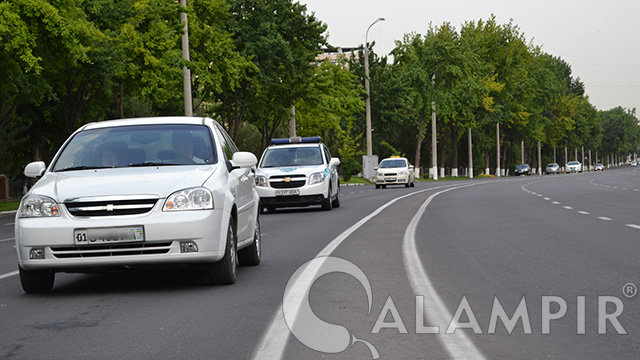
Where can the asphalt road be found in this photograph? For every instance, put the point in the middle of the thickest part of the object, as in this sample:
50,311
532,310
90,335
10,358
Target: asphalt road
525,268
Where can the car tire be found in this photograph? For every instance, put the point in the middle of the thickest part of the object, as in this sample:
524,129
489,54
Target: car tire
224,272
251,255
384,186
326,202
413,183
36,281
377,186
336,202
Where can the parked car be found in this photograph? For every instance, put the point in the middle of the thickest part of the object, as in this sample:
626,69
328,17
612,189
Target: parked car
573,167
634,163
130,193
552,168
599,167
395,171
298,172
522,169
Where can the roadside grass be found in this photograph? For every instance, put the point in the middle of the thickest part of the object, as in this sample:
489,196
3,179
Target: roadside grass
9,205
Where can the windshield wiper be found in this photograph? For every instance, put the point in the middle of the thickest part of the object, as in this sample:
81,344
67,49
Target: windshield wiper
149,163
82,167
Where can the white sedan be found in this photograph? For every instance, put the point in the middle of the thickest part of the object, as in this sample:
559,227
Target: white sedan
395,171
573,166
137,193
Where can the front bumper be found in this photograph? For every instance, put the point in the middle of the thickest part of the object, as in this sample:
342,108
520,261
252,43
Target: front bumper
163,233
392,179
308,195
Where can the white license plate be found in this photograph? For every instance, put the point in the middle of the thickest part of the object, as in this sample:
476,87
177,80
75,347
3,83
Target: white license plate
287,192
390,179
101,236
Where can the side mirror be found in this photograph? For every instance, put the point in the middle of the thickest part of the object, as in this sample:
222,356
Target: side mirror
334,162
243,159
35,169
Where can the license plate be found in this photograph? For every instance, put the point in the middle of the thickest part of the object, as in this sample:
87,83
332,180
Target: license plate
287,192
390,179
101,236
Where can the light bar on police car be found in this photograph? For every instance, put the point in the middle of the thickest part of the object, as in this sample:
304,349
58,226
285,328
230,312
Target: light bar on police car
296,140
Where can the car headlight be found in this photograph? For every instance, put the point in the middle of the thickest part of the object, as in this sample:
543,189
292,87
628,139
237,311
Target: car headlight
403,172
189,199
380,174
316,178
261,180
38,206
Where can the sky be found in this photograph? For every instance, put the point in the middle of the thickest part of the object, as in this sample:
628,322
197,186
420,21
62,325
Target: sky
600,40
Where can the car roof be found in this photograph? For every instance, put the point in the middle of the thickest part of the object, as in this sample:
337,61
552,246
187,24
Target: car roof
187,120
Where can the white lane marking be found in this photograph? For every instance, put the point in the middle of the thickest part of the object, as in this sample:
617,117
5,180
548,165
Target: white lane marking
547,199
583,212
604,218
274,340
634,226
4,276
555,202
568,207
457,345
7,239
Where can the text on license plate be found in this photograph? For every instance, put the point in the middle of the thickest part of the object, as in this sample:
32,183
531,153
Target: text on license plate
286,192
108,235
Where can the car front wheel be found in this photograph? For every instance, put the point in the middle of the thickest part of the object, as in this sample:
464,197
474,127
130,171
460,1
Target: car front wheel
36,281
224,272
252,254
326,202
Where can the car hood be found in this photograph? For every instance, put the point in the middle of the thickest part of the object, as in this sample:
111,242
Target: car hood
292,170
393,170
156,181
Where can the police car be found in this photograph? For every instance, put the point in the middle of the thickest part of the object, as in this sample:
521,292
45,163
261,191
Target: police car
395,171
298,172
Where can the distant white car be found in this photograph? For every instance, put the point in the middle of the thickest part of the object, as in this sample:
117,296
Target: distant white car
133,193
573,166
599,167
552,168
395,171
298,172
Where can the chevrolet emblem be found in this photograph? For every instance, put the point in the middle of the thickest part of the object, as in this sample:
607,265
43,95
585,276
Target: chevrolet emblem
110,207
287,179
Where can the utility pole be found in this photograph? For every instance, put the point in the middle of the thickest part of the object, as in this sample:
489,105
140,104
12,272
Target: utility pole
498,149
434,135
188,103
470,156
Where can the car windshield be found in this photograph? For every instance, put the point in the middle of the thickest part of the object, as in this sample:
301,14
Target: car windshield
396,163
292,156
573,163
139,145
552,165
522,166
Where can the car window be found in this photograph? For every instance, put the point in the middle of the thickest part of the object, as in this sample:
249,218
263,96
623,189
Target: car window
292,156
139,145
393,163
228,146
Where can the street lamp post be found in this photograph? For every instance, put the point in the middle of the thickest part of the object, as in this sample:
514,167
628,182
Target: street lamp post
368,169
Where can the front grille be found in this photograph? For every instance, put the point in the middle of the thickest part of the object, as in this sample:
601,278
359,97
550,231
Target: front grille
70,252
286,185
110,207
287,181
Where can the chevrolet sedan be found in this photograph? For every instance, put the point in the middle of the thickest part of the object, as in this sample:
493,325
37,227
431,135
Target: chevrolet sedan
151,192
